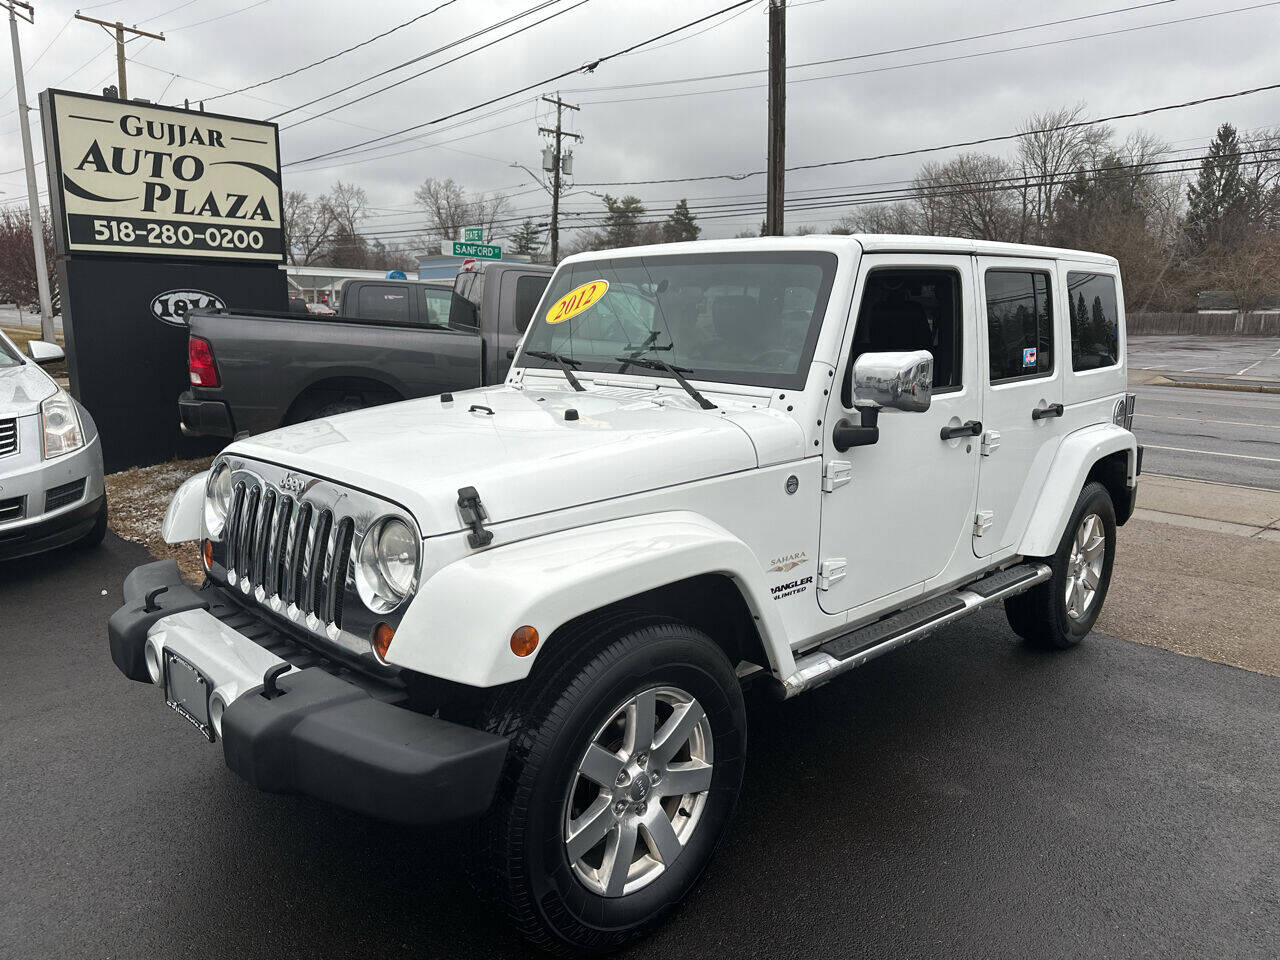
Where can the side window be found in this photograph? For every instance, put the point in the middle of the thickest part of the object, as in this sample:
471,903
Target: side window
1095,321
1019,324
528,293
379,301
435,306
464,315
911,309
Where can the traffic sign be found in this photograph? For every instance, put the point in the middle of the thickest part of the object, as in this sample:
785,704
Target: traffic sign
473,234
482,251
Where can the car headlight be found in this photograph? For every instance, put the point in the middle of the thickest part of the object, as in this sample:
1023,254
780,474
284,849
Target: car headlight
60,424
388,564
217,500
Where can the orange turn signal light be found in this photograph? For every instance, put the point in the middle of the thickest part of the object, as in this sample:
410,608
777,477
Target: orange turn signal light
207,552
382,637
524,641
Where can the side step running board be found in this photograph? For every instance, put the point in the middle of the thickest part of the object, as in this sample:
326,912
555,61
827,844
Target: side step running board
855,648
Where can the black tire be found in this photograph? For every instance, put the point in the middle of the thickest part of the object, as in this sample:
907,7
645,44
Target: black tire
519,854
98,532
1040,616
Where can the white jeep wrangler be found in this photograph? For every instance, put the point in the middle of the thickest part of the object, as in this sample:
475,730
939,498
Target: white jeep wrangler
535,605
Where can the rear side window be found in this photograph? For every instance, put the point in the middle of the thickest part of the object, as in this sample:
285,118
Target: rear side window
1095,321
1019,324
528,293
911,309
435,306
383,302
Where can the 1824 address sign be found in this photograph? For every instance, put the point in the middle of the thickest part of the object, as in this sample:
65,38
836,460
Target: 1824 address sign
158,181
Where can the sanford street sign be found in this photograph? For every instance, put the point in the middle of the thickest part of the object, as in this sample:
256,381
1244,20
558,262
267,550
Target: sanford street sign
482,251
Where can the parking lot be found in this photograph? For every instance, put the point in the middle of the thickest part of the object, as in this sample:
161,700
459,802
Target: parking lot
1240,356
961,798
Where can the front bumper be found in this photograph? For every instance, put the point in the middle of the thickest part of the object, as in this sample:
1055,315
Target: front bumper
51,532
204,418
320,734
45,519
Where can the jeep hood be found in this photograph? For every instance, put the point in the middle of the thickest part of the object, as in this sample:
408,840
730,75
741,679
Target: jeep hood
524,458
22,388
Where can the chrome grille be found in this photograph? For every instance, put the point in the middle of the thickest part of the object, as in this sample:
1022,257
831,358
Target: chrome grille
8,437
286,551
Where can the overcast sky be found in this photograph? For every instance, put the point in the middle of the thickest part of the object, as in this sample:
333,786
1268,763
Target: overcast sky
652,132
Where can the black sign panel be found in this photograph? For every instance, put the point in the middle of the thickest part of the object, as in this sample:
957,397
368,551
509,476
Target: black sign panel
124,321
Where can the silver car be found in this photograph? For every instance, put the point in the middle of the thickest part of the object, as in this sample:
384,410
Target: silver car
51,489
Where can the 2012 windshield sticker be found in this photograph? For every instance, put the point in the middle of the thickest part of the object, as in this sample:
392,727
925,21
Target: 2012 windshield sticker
577,300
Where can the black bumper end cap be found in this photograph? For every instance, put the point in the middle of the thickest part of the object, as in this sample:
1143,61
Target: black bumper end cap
128,626
325,738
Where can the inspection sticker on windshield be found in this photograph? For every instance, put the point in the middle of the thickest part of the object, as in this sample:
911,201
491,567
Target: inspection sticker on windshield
1029,357
577,300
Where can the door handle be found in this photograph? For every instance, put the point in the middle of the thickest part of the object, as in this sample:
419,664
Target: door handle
970,428
1052,410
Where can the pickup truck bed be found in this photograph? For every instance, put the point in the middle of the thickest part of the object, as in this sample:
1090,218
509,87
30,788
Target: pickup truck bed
393,340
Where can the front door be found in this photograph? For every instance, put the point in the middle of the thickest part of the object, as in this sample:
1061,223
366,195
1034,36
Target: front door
1022,408
897,511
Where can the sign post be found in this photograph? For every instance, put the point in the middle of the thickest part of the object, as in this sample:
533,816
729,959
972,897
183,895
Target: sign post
156,211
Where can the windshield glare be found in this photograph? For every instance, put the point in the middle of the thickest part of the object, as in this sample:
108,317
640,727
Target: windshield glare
9,356
748,318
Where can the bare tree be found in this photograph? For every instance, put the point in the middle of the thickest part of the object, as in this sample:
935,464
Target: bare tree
968,197
450,208
346,204
899,217
1047,154
308,227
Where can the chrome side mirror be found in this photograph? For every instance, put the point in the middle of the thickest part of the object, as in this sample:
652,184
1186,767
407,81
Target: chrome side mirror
899,381
42,351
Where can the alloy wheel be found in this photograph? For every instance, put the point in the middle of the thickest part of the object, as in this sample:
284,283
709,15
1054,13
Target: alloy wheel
1084,566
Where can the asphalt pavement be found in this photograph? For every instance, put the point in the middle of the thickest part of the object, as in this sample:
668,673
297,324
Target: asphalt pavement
1233,356
1221,435
963,797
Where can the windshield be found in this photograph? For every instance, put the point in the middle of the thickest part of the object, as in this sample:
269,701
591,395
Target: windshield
9,356
749,318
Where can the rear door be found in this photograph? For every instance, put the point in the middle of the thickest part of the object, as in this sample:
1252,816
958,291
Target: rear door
1022,378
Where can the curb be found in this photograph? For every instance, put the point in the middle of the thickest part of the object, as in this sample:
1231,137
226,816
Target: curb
1171,378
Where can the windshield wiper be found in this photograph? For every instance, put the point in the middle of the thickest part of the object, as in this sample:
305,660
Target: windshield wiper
564,363
653,363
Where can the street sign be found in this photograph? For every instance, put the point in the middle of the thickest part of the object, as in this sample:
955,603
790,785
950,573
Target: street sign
482,251
473,234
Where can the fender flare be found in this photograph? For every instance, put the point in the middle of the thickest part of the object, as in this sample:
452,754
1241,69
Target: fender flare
1076,456
182,518
459,625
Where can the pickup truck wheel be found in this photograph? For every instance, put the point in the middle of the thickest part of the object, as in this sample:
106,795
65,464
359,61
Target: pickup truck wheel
624,769
1060,612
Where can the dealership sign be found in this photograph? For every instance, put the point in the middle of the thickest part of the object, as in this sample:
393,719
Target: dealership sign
157,181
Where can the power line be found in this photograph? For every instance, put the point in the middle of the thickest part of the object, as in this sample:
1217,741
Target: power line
221,16
947,146
536,8
877,53
335,56
589,67
927,63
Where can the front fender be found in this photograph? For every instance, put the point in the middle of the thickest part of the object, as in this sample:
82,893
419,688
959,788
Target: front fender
182,519
459,625
1075,458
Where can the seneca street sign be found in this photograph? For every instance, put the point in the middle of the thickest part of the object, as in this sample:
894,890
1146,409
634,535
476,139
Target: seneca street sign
482,251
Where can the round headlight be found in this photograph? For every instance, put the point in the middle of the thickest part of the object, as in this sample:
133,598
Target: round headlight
388,564
217,500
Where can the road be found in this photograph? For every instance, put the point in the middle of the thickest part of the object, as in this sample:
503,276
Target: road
1234,356
1221,435
963,797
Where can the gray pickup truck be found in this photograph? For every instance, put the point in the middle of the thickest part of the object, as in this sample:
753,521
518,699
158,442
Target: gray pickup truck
391,340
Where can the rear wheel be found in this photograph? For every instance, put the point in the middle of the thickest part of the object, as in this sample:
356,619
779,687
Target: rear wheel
1060,612
624,769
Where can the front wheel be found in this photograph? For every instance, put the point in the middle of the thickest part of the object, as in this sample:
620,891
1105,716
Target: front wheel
1059,613
624,769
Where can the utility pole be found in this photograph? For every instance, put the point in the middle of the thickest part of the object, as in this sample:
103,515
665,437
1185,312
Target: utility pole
119,30
775,191
33,201
559,135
